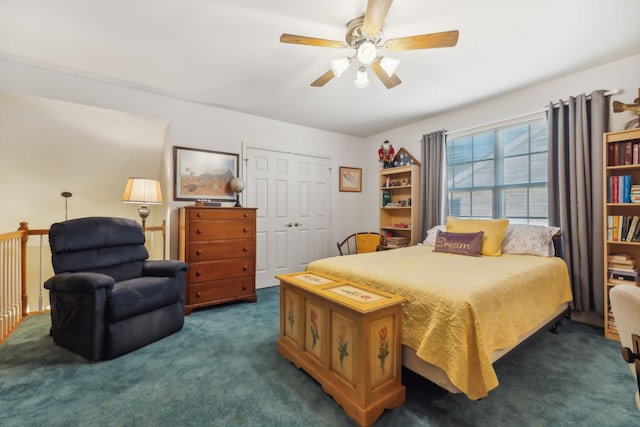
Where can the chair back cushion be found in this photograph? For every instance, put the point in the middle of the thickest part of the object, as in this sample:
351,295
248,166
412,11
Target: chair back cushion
111,246
367,242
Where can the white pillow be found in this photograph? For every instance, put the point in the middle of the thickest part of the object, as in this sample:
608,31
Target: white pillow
432,233
528,239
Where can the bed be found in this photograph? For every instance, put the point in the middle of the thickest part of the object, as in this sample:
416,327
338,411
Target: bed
463,312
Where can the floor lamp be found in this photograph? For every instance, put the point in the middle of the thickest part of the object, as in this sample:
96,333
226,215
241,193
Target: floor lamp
144,192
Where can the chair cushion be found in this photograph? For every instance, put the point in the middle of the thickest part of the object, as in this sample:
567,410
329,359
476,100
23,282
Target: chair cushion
367,242
94,232
140,295
111,246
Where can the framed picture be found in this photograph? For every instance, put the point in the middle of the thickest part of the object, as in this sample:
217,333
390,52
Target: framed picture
202,174
350,179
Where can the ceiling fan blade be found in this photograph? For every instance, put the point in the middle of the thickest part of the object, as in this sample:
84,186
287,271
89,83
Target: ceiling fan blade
310,41
323,79
424,41
374,16
389,82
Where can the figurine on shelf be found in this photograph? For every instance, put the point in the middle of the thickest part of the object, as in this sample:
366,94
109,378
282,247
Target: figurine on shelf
386,154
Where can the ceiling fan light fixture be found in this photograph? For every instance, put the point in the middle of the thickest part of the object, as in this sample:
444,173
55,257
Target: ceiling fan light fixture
338,66
389,65
366,52
362,80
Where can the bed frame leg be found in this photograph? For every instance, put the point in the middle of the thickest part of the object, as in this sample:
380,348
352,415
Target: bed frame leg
558,321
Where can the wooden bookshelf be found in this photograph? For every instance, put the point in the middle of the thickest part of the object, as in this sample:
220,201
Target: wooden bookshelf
619,161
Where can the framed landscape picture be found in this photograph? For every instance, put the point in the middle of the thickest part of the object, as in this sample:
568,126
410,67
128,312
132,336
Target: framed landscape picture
202,174
350,179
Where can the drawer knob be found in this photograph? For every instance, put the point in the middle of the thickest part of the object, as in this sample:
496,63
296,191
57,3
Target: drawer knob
198,273
245,229
244,287
198,294
246,249
199,231
244,268
199,214
199,252
245,215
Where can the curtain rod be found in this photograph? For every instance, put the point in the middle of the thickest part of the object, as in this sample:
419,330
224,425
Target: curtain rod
607,93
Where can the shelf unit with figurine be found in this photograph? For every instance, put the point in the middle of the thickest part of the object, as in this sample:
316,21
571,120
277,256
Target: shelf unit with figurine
621,216
399,205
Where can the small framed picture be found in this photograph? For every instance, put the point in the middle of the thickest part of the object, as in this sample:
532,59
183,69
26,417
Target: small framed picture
350,179
202,174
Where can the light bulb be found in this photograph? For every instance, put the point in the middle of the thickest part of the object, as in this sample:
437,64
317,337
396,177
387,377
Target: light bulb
362,80
366,52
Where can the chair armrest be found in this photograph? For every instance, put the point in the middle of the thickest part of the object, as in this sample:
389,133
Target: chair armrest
164,268
80,282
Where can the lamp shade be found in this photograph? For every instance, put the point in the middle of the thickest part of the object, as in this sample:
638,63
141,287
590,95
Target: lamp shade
144,191
339,65
362,80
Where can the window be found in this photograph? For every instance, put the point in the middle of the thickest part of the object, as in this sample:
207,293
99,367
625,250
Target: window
501,173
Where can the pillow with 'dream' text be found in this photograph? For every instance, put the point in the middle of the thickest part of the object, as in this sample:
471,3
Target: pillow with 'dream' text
459,243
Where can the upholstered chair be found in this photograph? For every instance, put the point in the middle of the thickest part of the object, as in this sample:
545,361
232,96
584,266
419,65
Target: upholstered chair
625,305
106,298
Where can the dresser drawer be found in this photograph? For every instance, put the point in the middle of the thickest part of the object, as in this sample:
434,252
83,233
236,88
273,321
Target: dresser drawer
219,213
217,249
211,230
221,290
219,269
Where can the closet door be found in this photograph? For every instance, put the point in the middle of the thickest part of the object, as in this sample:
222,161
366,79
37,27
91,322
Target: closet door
292,194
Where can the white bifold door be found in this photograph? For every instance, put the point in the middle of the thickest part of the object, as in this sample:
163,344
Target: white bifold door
293,195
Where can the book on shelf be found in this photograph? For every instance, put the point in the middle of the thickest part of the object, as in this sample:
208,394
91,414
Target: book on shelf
386,198
621,265
621,189
621,282
621,259
615,274
624,228
632,228
623,153
397,242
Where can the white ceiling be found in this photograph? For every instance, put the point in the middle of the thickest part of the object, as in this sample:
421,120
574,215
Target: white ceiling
227,52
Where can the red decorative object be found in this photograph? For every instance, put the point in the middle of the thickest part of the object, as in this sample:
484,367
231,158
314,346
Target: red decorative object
386,154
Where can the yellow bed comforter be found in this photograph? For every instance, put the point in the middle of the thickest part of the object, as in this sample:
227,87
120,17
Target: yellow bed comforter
460,308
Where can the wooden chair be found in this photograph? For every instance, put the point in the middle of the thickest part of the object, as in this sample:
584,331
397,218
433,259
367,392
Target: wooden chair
359,243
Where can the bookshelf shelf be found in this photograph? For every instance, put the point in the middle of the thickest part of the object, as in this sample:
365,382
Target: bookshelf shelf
621,256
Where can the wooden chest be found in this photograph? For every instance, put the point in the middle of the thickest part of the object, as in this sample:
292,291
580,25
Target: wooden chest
219,244
347,337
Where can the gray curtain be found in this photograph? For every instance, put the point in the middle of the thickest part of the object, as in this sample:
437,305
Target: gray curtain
575,192
433,201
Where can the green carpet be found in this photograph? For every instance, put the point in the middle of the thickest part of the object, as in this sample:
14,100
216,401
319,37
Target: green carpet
222,369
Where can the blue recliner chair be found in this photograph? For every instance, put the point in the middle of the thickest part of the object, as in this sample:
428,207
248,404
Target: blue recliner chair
106,298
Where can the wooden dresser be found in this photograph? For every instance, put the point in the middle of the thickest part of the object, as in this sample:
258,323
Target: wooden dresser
219,244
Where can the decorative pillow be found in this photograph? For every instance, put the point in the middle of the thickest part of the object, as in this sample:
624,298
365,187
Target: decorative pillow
494,231
459,243
528,239
431,235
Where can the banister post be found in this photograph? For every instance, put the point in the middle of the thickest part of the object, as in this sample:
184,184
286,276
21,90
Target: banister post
24,228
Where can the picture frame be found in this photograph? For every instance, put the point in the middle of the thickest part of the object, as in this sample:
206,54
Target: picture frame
350,179
203,174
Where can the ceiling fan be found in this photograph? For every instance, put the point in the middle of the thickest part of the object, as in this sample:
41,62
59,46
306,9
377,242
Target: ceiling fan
364,34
